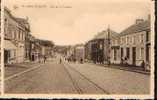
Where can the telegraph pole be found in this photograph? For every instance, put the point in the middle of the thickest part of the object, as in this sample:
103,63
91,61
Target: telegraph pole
109,44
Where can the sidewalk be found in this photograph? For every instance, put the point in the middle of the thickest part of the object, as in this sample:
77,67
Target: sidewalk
24,64
11,69
127,68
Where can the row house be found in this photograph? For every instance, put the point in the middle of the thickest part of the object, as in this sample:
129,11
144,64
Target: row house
35,50
46,47
70,52
75,52
88,51
15,30
19,44
98,49
79,52
41,48
115,49
29,42
133,44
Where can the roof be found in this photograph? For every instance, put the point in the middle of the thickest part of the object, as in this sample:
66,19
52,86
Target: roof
21,21
45,42
104,34
145,25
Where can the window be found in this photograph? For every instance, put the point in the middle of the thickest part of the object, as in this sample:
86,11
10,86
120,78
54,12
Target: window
115,54
121,41
19,35
142,53
121,52
127,40
134,40
147,36
142,38
130,40
14,53
128,52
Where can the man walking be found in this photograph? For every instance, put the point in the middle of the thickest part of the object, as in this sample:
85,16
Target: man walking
45,59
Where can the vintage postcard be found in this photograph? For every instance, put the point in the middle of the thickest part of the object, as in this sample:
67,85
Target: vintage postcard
59,48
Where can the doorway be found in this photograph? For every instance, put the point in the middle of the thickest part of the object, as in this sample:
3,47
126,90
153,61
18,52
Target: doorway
6,56
134,55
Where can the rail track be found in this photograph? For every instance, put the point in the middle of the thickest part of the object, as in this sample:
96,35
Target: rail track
75,84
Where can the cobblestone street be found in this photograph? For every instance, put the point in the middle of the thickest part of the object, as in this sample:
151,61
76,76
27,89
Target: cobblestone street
53,77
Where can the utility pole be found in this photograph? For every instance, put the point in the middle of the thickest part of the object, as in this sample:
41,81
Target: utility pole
109,44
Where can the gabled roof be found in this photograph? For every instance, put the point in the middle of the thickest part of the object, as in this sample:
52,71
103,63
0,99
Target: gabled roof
45,42
21,20
137,28
104,34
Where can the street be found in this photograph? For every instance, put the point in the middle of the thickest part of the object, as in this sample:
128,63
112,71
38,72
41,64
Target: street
74,78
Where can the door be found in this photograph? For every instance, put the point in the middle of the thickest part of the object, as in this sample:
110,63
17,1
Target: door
6,56
121,52
134,55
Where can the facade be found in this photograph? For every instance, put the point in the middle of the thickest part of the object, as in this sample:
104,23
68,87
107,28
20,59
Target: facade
88,51
135,43
46,47
35,50
15,30
98,49
79,52
70,52
115,50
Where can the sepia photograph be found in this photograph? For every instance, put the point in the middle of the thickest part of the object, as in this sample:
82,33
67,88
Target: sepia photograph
67,47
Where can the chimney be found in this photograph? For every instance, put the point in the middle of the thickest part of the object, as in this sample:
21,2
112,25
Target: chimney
139,21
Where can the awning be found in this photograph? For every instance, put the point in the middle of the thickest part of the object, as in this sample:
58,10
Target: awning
8,45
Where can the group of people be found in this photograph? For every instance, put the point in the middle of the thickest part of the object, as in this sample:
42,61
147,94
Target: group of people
144,65
124,61
42,58
74,60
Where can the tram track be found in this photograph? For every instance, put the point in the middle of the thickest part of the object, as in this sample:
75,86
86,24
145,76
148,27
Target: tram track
78,89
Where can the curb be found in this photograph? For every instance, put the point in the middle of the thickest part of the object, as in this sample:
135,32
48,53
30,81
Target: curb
121,68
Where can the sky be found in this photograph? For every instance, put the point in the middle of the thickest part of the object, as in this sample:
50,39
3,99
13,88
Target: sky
69,22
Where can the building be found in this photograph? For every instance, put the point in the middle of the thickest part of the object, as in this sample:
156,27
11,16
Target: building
15,30
70,53
79,52
88,51
98,49
46,47
29,42
115,50
135,43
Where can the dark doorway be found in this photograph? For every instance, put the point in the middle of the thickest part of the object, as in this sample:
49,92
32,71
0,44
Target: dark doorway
148,53
134,55
33,57
6,56
121,52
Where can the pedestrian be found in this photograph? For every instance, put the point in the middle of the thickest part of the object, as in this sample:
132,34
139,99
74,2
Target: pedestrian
81,60
122,61
60,61
147,66
45,59
143,64
126,61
